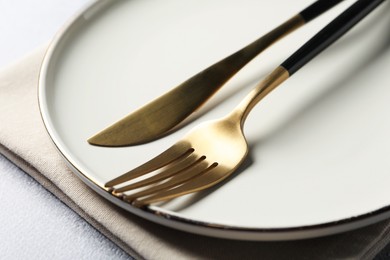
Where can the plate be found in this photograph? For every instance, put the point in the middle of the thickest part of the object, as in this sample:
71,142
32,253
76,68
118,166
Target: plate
319,144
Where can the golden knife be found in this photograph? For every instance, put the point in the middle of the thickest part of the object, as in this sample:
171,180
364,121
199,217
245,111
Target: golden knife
159,116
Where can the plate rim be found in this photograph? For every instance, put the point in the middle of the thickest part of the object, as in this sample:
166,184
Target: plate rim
178,222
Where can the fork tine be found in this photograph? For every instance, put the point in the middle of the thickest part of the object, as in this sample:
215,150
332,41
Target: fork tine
207,178
175,152
199,168
167,172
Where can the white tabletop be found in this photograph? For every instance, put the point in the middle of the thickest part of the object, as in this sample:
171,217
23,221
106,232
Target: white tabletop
33,223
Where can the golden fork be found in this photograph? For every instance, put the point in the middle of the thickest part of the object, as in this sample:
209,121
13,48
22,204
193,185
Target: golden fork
159,116
213,150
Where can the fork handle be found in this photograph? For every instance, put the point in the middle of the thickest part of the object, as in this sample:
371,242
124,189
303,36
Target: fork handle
329,34
333,31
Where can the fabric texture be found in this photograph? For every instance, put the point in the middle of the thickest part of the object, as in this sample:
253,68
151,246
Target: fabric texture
24,141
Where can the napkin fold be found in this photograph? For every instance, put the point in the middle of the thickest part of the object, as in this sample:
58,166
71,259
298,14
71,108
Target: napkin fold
25,142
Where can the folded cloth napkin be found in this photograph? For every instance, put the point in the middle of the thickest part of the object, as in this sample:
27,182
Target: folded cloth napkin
24,141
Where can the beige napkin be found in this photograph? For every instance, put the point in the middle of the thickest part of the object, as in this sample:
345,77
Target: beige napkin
24,141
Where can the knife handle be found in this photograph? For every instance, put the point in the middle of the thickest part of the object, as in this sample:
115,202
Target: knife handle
317,8
332,32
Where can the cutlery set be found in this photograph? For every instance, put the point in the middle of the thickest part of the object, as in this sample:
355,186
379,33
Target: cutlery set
212,151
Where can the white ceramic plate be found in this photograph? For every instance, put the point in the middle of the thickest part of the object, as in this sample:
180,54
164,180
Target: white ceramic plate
319,144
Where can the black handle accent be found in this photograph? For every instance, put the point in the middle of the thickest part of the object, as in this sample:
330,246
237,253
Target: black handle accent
318,8
328,35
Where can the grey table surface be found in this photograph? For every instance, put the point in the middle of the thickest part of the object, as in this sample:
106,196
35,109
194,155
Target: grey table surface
42,227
